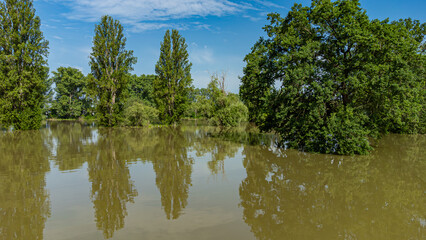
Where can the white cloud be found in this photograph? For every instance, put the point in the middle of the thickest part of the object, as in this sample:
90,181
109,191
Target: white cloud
142,15
142,10
202,55
270,4
143,26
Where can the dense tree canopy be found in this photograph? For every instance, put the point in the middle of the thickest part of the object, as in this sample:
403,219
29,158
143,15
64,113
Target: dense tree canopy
142,88
70,93
110,63
173,83
327,77
200,105
23,65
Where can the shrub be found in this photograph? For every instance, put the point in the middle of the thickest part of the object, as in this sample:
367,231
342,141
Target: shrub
139,114
232,113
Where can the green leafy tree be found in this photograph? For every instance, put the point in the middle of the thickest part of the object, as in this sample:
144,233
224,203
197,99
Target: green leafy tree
110,63
257,86
226,108
48,98
142,88
200,107
23,65
173,83
90,100
327,77
70,95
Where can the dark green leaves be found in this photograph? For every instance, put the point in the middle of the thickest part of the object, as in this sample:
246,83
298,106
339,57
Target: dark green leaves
110,64
23,65
327,77
173,83
70,93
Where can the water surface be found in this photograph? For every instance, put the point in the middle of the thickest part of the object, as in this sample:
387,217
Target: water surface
75,181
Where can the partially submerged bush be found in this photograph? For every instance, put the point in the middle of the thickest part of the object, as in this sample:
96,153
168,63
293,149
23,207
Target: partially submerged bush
227,109
139,114
230,112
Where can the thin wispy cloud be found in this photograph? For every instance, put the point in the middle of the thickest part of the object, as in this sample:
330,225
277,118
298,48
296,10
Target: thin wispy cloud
271,4
141,10
144,26
201,55
142,15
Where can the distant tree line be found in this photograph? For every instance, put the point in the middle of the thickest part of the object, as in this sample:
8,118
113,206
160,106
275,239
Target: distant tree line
109,93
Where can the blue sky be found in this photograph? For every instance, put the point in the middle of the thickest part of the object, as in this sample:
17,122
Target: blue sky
218,33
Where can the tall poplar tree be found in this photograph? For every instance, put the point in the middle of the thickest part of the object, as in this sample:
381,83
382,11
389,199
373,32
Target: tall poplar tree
110,63
173,83
23,65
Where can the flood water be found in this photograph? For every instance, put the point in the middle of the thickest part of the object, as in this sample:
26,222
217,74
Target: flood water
75,181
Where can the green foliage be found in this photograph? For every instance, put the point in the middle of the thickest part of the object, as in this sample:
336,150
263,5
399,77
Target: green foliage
23,65
70,93
200,106
257,86
216,105
48,97
327,77
227,109
172,85
139,114
142,88
110,64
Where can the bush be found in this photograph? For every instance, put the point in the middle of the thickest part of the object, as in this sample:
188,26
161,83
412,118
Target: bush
139,114
232,113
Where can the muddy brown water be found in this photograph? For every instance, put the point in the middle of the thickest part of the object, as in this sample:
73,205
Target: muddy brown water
76,181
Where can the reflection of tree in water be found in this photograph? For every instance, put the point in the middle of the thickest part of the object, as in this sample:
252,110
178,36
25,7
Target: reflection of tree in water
72,139
166,148
308,196
211,142
173,170
112,187
25,204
